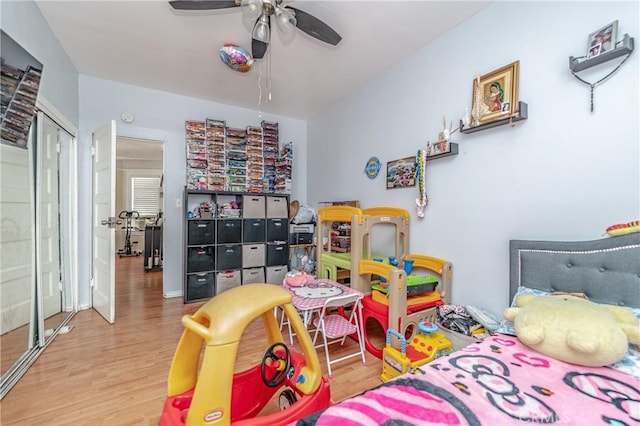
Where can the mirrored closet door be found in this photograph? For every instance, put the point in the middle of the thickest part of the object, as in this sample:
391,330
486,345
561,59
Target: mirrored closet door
36,235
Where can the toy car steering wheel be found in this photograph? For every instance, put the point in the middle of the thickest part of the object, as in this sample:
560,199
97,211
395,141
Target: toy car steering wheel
281,369
427,327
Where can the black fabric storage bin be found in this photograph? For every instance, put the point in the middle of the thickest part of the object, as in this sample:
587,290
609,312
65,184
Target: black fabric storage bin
253,231
200,259
229,256
277,229
277,254
201,232
229,231
200,286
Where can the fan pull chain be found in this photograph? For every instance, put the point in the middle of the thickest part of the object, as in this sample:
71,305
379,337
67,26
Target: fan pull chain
259,90
269,71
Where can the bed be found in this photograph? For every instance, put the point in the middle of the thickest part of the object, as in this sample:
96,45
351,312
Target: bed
500,381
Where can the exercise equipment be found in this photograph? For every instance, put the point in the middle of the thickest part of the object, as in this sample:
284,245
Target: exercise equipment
128,216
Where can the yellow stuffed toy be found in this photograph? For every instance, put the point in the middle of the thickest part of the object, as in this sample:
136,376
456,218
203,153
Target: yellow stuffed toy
573,329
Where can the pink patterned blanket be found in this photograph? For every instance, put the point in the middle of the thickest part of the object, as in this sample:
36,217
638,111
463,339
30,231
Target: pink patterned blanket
496,382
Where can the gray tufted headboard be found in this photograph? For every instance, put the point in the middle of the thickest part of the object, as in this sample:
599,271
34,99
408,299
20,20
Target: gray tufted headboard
606,270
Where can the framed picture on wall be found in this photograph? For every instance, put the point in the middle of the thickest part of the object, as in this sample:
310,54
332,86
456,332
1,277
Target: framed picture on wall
401,173
602,40
495,95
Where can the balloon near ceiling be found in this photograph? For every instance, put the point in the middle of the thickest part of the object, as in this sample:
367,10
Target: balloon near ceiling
236,57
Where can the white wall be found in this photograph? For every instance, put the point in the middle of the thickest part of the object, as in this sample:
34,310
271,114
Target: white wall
161,116
565,173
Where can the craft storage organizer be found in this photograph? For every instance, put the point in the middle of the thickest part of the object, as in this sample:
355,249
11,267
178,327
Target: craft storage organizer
226,248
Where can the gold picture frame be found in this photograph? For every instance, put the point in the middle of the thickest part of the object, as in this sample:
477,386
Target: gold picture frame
495,95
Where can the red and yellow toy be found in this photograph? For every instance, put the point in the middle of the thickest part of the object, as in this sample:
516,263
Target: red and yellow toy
427,345
202,386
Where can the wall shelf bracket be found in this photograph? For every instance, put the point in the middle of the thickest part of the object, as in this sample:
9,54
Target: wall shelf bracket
521,114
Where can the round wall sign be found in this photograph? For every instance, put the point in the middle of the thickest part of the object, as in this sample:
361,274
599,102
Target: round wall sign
372,168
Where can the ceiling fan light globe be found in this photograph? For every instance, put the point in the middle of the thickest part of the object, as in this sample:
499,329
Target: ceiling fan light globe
251,9
261,31
285,19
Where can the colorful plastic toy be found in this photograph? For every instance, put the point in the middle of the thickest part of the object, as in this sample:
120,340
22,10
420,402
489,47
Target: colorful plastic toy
427,345
398,309
202,386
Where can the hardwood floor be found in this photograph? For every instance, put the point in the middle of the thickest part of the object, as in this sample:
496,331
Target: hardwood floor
102,374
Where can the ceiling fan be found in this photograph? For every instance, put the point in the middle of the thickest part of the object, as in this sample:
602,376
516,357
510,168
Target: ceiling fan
286,17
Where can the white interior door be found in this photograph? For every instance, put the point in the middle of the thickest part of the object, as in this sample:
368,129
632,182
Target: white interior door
47,193
104,221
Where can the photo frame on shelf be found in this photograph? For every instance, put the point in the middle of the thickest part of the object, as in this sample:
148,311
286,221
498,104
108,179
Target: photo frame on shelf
495,95
438,148
401,173
602,40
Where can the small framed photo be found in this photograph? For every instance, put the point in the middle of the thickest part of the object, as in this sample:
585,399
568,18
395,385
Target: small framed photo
602,40
438,148
401,173
495,94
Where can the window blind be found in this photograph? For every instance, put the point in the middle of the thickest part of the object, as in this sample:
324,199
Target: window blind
145,195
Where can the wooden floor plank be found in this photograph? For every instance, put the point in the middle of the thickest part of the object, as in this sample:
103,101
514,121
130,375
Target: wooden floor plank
102,374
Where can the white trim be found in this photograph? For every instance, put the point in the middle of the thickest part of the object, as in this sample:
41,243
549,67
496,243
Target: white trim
38,228
172,294
54,114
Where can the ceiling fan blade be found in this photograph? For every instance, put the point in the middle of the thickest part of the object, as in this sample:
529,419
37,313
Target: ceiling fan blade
258,48
202,4
315,27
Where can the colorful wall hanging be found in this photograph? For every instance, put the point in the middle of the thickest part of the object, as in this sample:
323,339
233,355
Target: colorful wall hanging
422,200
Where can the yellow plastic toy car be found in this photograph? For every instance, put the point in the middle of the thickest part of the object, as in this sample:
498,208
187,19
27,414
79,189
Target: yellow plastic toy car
202,386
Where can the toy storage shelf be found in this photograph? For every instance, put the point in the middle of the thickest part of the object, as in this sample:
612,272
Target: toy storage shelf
340,236
225,248
625,47
522,114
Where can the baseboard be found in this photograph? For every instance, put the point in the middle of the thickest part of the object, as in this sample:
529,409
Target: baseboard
172,294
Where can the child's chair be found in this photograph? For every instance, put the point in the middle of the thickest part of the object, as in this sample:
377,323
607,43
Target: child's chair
337,327
284,321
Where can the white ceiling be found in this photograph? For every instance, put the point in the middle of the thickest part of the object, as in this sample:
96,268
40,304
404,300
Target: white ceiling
130,149
149,44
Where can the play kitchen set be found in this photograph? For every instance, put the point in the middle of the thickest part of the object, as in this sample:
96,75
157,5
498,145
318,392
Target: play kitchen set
418,286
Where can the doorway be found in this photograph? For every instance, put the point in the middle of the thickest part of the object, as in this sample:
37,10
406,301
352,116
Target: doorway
139,207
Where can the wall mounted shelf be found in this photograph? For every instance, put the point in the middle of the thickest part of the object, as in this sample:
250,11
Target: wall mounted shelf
453,150
580,64
522,114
